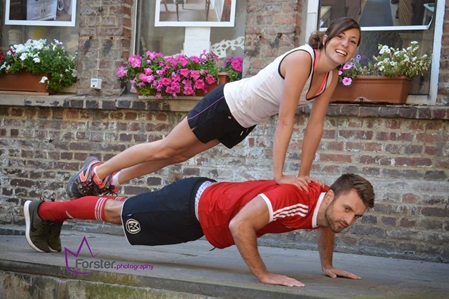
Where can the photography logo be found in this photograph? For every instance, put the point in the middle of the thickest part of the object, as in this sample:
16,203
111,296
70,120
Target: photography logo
78,261
88,262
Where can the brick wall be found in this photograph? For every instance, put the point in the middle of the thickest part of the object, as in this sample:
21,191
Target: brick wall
263,41
443,80
407,159
104,41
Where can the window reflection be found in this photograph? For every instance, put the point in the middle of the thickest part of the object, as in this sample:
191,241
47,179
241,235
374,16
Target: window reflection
379,13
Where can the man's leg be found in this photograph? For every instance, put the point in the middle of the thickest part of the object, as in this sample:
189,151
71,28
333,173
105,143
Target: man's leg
44,219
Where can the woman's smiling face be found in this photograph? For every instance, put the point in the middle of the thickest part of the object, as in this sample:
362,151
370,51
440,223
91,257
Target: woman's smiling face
342,47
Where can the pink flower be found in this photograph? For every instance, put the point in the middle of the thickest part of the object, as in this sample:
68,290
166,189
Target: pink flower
175,87
171,62
195,75
199,84
135,60
165,81
188,90
184,72
187,83
176,77
346,81
348,65
237,64
195,59
183,60
148,71
121,72
210,79
153,55
144,78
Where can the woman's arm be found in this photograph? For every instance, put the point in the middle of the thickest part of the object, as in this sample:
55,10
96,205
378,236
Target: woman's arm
314,128
296,69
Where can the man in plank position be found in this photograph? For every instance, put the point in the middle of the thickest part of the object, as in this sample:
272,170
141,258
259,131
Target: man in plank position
226,213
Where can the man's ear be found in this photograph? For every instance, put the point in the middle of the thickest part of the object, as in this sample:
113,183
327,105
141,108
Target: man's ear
329,197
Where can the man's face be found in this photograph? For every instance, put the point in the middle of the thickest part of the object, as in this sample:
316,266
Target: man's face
344,211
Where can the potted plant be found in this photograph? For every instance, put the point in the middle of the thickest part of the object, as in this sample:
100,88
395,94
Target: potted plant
231,69
152,74
49,64
384,79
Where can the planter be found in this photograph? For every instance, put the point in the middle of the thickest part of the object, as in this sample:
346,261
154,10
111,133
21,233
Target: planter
223,78
198,93
23,82
70,89
373,89
180,104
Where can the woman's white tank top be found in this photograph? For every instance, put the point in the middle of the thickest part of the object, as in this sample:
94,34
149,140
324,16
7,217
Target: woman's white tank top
252,100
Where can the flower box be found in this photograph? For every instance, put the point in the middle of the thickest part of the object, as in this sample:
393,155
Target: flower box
384,79
24,82
153,74
37,57
373,89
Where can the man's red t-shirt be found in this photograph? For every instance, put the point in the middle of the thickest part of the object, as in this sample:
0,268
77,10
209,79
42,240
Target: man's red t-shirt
289,207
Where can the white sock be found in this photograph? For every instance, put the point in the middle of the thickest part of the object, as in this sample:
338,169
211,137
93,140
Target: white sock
115,179
95,173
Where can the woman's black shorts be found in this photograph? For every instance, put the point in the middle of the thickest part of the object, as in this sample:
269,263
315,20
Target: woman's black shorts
211,119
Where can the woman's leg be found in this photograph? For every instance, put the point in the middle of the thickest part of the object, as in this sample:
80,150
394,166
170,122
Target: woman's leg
180,145
144,168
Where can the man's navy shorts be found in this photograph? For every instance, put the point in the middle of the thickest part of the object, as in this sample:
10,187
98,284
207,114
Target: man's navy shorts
166,216
211,119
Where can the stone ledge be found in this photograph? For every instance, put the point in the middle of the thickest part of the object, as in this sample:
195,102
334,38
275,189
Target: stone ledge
193,270
108,284
184,104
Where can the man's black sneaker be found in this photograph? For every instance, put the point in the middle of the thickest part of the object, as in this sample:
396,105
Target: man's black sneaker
54,235
36,231
82,183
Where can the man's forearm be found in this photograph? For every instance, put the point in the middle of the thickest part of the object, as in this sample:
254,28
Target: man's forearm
246,241
325,240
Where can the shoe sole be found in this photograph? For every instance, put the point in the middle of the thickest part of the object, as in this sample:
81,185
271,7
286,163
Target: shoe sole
26,211
74,177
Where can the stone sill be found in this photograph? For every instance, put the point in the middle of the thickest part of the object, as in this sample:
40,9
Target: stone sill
184,104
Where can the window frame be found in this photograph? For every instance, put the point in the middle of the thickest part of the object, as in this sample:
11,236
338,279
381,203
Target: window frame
430,99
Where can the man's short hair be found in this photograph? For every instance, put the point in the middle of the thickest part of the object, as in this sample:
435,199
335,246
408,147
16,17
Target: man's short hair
362,186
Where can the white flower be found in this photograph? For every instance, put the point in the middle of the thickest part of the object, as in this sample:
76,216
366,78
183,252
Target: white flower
36,59
43,79
23,56
20,48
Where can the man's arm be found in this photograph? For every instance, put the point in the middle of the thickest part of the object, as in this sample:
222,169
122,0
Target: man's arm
325,239
243,227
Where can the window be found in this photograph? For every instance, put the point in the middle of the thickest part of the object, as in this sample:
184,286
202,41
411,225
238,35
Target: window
228,41
390,22
17,34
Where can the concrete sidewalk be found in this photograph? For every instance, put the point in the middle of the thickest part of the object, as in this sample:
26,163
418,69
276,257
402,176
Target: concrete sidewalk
193,271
